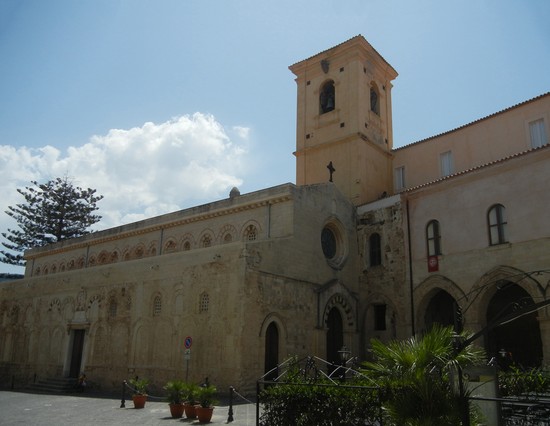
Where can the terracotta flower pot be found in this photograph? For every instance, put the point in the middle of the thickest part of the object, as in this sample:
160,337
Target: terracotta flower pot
190,411
204,414
139,400
176,410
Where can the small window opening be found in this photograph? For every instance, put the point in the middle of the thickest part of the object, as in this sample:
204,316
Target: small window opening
204,302
380,317
375,250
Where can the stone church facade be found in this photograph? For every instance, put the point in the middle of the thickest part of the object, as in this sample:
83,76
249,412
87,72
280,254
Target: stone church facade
371,242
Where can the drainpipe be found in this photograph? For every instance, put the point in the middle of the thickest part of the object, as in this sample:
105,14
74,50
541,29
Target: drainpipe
411,286
87,254
268,220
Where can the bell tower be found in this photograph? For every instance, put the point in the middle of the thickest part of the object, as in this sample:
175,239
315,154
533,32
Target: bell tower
344,120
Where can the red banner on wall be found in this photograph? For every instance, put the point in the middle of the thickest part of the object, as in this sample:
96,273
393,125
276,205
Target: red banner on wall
433,264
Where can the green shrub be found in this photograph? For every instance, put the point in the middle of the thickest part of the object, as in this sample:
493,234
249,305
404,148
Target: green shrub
517,382
304,401
175,391
140,385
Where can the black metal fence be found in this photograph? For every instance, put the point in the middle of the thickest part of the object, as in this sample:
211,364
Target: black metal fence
529,410
312,391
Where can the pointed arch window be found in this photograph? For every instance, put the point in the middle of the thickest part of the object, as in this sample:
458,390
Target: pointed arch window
327,97
170,246
206,241
113,307
496,218
157,306
433,238
250,233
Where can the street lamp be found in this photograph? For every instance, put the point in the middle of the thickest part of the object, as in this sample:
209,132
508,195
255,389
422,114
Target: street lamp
344,354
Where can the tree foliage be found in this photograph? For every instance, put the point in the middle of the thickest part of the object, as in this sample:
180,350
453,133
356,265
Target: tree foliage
53,211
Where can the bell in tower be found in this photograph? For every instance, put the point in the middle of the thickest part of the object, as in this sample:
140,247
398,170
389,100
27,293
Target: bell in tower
326,99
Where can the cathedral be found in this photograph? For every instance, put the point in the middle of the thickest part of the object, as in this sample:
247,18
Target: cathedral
370,242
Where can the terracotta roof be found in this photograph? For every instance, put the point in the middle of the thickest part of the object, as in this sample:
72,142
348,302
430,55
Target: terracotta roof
474,122
473,169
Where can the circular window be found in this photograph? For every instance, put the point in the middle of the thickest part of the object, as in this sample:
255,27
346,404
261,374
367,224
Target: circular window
328,242
333,244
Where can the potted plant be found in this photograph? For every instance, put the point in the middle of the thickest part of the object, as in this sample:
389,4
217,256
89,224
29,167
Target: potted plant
205,395
176,392
140,392
190,400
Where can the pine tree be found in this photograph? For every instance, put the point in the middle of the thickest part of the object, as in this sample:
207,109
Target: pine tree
53,211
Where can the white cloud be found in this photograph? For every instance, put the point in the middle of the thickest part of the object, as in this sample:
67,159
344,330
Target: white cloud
142,172
243,132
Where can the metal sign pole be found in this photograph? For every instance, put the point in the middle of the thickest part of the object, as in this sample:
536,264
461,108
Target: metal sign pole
187,343
187,370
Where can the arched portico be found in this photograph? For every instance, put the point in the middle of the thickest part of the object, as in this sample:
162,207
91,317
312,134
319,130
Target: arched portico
520,339
440,310
498,293
436,298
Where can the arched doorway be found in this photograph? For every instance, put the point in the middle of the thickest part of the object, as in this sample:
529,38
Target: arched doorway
440,310
335,335
271,351
521,337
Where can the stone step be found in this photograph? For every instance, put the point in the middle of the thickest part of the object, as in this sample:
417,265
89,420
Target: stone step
55,385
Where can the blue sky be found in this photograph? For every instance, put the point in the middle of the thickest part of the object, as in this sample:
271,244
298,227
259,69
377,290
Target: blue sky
166,104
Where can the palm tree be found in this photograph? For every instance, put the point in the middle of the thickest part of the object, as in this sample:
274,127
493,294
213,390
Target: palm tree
415,376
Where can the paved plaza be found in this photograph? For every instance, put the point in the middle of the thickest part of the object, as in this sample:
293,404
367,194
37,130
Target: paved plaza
22,408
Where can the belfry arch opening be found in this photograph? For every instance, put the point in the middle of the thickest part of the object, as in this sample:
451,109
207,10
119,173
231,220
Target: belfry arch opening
519,339
327,97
